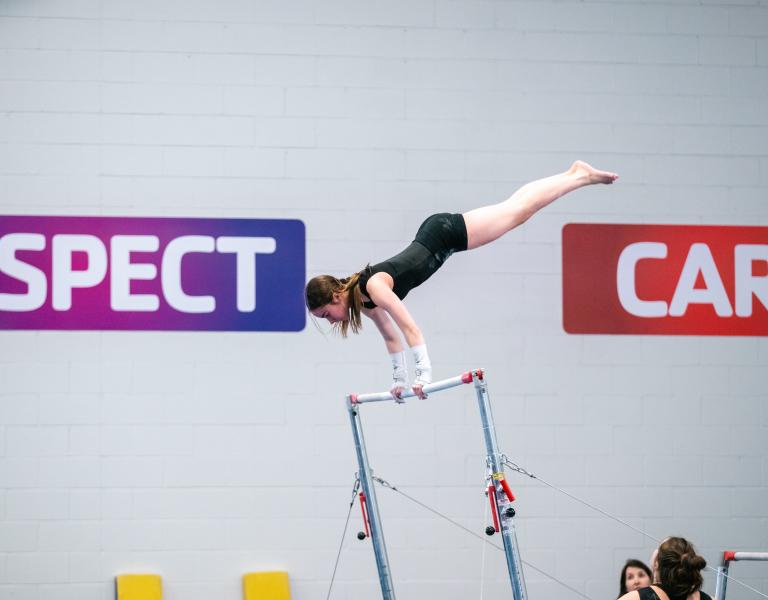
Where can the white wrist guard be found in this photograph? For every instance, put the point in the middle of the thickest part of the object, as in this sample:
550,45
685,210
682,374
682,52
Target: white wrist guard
423,366
399,370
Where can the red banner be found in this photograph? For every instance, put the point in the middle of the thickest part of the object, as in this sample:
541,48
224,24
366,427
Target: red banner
665,279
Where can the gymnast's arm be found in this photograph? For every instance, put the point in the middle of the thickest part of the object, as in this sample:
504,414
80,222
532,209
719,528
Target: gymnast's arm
387,330
380,291
395,348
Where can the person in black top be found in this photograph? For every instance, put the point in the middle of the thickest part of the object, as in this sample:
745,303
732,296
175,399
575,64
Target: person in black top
676,573
377,290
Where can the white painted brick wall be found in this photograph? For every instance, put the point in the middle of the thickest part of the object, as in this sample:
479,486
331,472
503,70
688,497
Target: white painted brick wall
169,453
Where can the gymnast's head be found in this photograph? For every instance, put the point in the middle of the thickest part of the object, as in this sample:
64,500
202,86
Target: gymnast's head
336,300
677,567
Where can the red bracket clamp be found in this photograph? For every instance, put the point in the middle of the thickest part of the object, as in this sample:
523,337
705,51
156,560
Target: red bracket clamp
469,375
365,514
507,490
492,500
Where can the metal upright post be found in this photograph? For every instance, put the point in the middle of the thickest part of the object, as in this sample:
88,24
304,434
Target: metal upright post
366,481
722,580
502,494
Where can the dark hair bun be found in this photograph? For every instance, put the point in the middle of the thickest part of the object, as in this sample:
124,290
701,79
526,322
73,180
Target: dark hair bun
693,562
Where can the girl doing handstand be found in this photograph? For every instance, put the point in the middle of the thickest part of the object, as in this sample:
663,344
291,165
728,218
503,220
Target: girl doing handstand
377,291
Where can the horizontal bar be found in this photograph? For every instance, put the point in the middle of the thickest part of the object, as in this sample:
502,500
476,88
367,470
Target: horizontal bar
437,386
730,555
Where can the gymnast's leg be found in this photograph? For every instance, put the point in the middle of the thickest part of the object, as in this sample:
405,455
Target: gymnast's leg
491,222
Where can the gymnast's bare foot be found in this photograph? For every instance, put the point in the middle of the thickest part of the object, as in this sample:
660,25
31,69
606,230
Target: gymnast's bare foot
592,175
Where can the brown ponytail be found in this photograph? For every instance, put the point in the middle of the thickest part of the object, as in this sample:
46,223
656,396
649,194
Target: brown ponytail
679,567
320,291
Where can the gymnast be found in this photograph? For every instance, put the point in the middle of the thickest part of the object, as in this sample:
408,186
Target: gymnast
377,290
676,573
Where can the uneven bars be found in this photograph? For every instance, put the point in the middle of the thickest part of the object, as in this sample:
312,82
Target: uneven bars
729,555
437,386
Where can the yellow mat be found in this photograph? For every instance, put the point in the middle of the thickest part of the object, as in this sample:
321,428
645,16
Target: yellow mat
139,587
268,585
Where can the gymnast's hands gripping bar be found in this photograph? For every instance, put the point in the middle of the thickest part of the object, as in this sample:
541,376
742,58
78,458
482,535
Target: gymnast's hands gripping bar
437,386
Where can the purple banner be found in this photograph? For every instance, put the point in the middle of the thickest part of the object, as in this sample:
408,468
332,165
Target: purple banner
125,273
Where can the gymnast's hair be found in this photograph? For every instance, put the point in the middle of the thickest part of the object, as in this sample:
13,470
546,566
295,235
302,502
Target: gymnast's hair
679,567
320,291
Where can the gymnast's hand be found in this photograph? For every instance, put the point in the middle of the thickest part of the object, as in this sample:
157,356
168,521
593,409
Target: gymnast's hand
423,370
397,390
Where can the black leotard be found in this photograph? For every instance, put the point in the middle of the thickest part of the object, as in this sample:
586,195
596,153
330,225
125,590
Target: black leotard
649,593
438,237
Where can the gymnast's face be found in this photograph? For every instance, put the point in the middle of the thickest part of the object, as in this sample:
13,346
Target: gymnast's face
334,312
636,578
